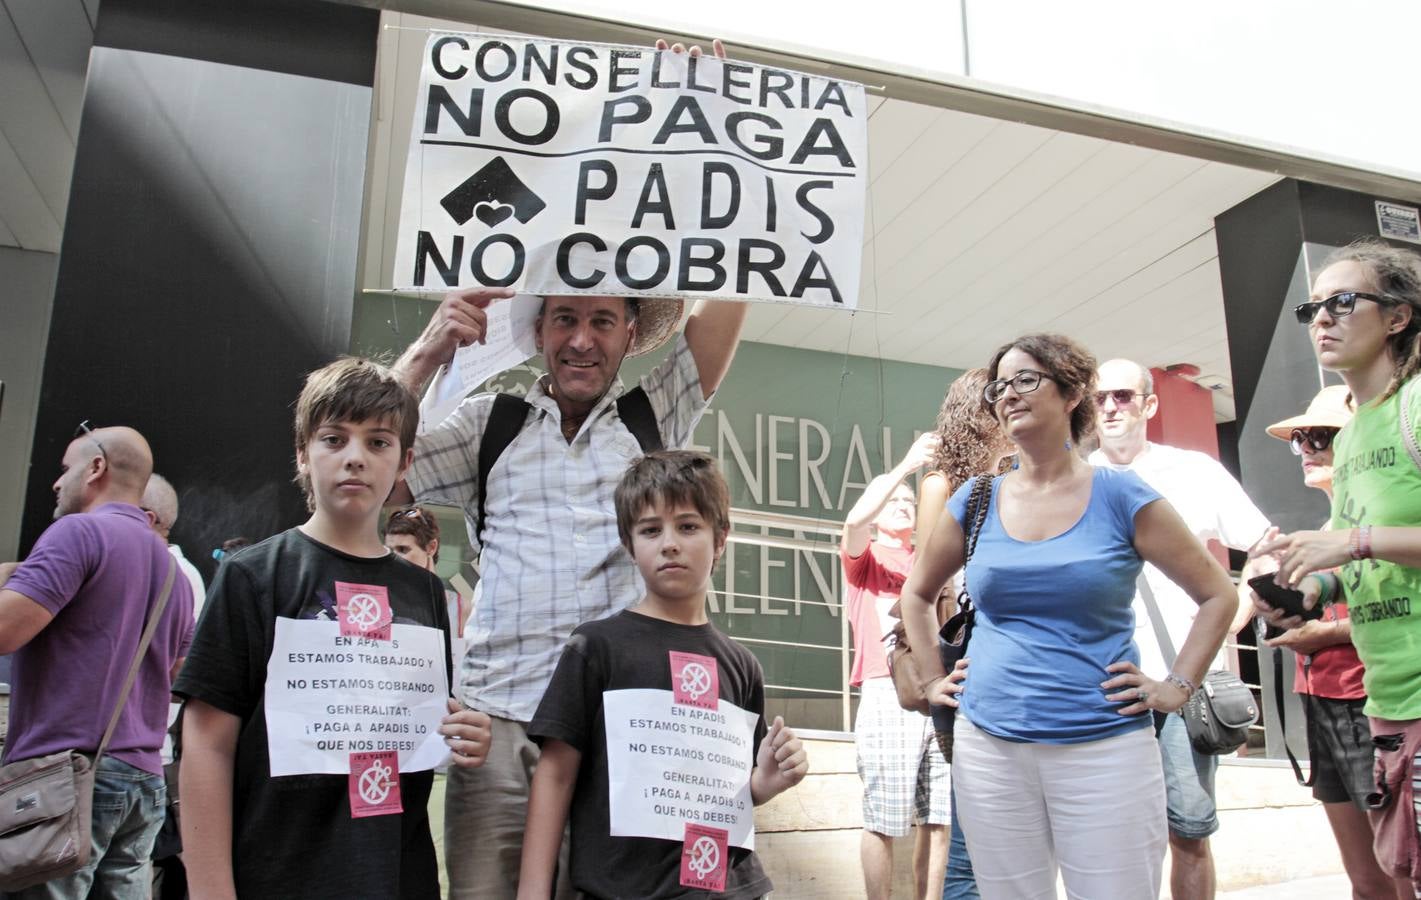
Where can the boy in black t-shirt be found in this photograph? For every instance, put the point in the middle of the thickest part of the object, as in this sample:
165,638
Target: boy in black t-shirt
317,684
652,727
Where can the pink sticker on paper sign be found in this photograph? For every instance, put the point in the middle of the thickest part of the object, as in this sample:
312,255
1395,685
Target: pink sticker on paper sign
704,857
375,784
363,610
695,681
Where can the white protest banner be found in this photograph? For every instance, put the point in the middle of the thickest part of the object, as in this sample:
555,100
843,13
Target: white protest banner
669,764
508,341
556,167
328,695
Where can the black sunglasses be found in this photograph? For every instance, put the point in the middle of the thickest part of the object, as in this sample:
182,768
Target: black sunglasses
1023,382
83,430
1122,396
1319,439
1338,305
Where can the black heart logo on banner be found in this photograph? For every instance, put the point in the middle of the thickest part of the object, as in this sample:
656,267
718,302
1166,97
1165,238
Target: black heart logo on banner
492,212
493,194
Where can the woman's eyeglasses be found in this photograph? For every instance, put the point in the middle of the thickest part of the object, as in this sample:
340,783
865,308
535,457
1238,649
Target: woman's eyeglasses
1023,382
1319,439
1338,305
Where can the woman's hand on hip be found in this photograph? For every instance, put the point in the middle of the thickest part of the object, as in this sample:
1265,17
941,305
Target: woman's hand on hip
1140,692
944,691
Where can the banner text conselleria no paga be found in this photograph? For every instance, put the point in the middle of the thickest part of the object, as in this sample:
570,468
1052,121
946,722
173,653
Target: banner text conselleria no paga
586,168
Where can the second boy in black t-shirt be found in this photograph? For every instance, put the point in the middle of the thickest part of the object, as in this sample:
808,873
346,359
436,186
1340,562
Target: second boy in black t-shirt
657,691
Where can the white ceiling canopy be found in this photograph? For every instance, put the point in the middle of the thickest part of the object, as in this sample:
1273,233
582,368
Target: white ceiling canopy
992,212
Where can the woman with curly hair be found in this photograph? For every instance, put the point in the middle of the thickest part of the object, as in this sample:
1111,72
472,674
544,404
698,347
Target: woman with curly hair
1364,320
970,442
1055,764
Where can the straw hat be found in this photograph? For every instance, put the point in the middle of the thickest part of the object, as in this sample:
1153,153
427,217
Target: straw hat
1327,410
656,321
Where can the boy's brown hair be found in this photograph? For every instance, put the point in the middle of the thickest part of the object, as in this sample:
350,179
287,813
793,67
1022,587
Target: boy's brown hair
353,389
673,477
416,522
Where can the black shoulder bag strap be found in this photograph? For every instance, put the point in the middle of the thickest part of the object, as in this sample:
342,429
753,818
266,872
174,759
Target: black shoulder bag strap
634,408
505,420
1279,703
977,504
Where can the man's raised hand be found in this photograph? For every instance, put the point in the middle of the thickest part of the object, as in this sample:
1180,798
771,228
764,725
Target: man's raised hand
717,48
460,321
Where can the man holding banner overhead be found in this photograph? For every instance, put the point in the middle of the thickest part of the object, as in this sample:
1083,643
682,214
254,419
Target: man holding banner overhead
550,555
600,185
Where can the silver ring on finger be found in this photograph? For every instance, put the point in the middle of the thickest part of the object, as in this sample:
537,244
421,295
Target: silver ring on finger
1142,695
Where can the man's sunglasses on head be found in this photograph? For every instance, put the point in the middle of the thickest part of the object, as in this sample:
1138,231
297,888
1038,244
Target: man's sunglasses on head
84,430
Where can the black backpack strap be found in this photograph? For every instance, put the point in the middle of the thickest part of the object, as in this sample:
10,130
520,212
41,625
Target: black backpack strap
634,408
505,421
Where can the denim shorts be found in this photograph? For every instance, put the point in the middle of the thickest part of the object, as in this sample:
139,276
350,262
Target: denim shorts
1188,781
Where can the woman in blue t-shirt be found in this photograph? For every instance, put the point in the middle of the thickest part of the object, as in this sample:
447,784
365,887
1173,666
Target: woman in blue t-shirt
1055,762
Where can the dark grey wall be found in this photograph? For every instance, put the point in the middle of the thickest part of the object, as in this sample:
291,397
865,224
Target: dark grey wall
28,279
209,253
1269,246
1272,474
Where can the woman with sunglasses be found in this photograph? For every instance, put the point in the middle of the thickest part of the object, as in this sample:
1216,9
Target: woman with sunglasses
1055,761
1364,320
1329,674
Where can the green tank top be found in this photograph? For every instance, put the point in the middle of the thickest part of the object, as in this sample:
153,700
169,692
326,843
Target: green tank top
1376,482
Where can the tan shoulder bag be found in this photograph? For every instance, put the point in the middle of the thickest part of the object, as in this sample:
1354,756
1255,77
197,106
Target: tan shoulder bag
46,803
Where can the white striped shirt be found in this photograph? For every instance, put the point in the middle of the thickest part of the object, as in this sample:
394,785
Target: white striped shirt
551,559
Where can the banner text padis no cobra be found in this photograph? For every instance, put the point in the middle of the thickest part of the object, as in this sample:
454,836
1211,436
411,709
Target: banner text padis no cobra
563,168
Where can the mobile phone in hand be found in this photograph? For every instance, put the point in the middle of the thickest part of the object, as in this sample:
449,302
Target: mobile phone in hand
1286,599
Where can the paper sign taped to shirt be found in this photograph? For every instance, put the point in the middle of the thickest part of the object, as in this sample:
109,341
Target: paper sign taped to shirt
559,167
669,764
330,695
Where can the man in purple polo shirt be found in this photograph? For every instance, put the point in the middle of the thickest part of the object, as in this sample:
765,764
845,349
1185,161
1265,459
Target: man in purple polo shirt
73,614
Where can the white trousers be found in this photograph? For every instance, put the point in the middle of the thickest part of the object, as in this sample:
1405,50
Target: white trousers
1095,810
